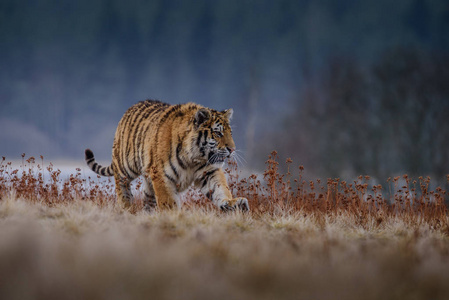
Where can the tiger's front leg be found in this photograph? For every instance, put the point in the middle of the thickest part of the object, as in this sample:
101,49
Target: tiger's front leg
164,189
213,184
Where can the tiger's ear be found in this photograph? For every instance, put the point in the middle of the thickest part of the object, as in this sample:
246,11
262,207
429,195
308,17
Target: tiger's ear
201,116
228,113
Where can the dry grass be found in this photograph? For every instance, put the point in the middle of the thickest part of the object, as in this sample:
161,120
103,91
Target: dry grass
302,240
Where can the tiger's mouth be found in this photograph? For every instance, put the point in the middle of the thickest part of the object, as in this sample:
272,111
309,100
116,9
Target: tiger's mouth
217,157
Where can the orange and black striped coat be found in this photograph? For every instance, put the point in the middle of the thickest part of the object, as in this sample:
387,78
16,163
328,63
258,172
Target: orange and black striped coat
173,147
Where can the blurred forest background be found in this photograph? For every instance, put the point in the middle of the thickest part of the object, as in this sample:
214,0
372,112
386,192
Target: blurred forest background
343,87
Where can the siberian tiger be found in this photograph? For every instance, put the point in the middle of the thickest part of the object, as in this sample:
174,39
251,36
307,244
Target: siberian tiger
172,146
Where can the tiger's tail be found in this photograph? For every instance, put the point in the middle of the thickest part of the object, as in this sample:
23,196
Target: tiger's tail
94,166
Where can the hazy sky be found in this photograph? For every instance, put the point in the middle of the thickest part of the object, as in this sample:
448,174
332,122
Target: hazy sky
71,68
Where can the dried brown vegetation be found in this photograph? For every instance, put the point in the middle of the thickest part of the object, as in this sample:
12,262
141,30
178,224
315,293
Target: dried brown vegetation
65,237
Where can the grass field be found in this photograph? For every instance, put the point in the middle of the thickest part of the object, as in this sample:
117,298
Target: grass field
301,240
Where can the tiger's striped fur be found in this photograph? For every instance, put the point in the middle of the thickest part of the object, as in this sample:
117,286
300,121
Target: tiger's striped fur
173,147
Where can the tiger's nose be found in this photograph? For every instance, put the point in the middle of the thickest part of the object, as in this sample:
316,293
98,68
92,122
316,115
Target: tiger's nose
230,149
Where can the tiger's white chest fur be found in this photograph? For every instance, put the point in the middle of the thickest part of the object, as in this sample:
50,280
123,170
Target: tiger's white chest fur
181,179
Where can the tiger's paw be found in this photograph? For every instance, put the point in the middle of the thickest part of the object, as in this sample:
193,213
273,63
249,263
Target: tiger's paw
239,203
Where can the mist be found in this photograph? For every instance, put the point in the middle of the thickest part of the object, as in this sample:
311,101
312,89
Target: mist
342,87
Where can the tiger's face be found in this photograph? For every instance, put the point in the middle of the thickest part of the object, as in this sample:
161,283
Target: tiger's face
214,135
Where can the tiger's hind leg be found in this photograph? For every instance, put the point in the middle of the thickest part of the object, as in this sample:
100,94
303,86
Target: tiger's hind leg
149,200
123,190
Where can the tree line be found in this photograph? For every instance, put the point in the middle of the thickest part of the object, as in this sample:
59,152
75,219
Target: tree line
388,118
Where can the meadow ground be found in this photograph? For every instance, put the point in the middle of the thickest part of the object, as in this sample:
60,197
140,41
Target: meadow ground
302,240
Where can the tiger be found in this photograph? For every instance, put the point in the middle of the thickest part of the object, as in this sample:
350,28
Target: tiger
173,147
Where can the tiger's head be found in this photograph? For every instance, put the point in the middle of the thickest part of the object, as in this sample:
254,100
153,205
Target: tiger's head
214,135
